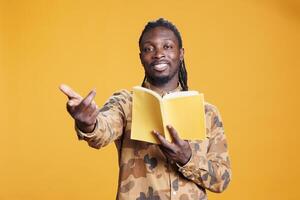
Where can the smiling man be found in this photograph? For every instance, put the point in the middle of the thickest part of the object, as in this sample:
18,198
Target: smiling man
179,170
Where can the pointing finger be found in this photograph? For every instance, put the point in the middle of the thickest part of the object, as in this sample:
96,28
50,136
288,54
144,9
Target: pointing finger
69,92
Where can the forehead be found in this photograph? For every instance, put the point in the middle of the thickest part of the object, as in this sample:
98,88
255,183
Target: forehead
159,33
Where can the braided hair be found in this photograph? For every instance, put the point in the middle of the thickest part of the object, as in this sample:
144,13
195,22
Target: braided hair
166,24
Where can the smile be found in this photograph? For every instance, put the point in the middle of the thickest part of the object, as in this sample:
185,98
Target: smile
160,67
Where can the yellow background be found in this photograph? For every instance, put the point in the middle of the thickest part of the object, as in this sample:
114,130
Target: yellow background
243,55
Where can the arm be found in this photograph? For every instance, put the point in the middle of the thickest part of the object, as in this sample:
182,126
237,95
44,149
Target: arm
209,165
204,162
110,121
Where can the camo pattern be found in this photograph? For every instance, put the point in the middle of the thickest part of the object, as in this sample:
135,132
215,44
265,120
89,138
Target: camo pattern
145,173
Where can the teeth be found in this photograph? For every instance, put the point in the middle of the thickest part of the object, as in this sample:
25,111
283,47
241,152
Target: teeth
160,67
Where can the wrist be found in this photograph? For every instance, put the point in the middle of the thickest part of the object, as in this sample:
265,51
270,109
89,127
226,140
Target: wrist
186,156
86,128
186,160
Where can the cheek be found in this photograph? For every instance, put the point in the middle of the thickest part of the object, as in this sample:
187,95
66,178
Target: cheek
175,57
145,59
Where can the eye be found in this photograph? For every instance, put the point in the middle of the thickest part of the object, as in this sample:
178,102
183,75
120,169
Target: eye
147,49
168,46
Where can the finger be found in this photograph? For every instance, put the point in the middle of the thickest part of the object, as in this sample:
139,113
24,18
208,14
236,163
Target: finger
69,92
174,134
88,99
73,102
162,140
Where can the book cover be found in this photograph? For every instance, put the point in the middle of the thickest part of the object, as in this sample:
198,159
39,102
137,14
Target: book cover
183,110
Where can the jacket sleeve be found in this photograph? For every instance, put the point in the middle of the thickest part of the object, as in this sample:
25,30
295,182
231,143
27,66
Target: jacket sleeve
209,165
111,121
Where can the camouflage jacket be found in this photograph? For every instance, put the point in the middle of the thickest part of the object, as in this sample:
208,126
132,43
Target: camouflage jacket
145,173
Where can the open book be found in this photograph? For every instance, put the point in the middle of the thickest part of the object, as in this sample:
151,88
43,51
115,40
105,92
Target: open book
183,110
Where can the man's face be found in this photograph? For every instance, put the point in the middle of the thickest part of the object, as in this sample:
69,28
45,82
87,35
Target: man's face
160,55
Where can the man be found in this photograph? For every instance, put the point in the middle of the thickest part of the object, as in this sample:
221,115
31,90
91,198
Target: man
179,170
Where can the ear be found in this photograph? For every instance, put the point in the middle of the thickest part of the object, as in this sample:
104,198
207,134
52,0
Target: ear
181,54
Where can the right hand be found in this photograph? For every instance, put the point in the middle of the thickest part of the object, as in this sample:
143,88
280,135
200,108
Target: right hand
83,110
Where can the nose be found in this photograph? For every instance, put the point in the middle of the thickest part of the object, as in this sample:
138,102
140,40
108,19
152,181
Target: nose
159,53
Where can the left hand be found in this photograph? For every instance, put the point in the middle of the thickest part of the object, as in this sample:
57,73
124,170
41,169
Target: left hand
179,150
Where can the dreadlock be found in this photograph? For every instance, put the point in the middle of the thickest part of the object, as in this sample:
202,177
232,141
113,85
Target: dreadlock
166,24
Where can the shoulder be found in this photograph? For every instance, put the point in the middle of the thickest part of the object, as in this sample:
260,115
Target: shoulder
120,100
122,95
210,108
213,117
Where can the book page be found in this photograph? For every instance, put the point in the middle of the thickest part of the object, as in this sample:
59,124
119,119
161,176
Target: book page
155,94
146,116
180,94
187,116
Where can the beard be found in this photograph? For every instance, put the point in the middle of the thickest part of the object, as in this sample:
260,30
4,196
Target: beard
158,81
161,80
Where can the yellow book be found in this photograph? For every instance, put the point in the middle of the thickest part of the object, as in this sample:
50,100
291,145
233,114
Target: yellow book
183,110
